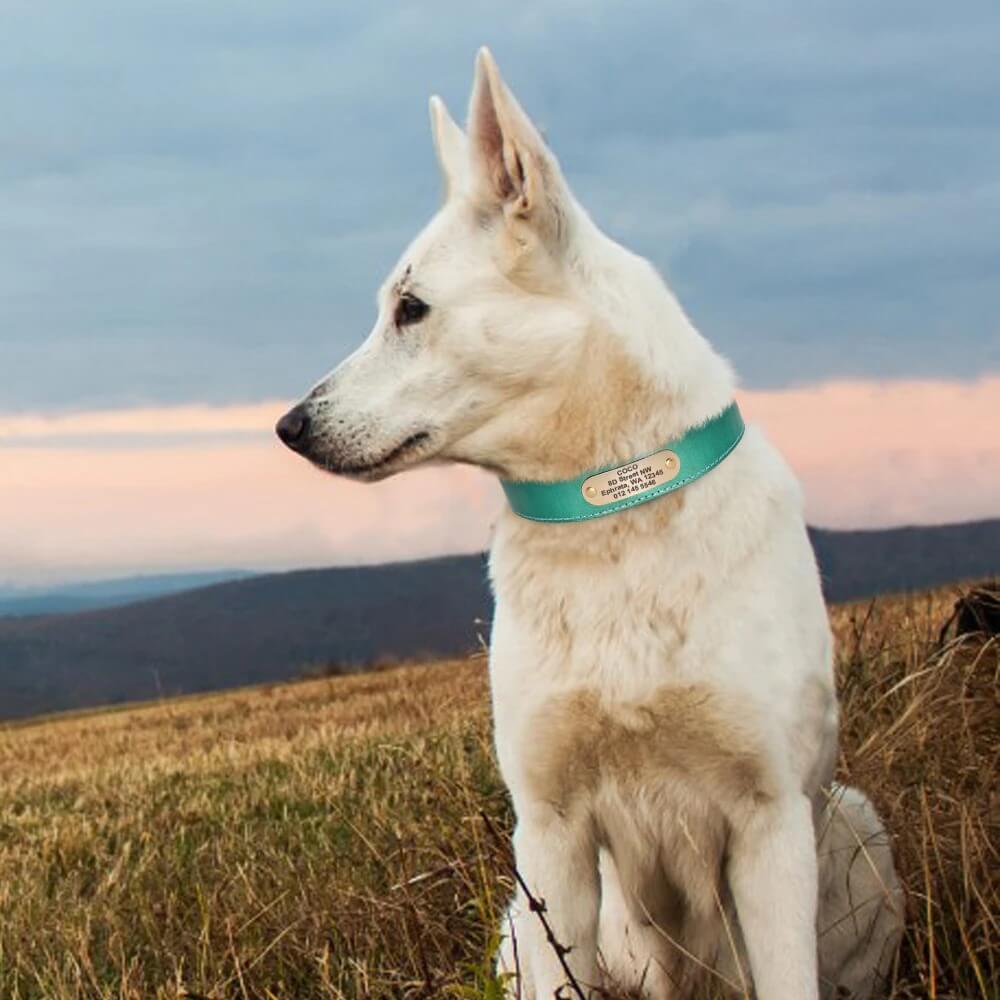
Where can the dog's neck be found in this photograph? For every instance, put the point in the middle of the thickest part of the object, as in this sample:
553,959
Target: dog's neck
642,377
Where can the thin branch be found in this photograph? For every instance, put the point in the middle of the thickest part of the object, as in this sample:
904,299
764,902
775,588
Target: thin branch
537,906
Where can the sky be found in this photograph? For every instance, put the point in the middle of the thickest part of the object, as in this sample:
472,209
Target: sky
198,201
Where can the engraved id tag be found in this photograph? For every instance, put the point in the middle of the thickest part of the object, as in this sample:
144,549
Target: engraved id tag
630,480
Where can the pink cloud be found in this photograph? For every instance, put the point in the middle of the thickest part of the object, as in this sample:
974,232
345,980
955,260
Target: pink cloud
868,453
189,419
88,511
873,454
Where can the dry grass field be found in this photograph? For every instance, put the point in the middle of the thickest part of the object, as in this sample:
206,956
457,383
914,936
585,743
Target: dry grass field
325,839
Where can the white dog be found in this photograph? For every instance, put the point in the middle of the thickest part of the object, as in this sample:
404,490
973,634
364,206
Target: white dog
662,675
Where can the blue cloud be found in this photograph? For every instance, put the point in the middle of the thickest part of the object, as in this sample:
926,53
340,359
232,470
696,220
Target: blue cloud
198,201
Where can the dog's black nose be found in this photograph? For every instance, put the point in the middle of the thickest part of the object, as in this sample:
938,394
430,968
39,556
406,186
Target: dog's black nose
293,428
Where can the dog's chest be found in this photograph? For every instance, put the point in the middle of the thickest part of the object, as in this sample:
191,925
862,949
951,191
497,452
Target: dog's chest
615,616
594,665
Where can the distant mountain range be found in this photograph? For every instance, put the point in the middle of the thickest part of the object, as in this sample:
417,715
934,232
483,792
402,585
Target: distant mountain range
276,626
105,593
263,628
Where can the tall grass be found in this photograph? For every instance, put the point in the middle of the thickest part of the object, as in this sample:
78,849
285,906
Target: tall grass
325,839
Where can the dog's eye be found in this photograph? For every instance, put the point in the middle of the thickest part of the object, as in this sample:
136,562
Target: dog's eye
410,310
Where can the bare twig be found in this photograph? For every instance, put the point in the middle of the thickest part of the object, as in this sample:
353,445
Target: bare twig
537,906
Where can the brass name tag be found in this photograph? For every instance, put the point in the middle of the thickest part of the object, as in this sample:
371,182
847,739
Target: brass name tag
630,480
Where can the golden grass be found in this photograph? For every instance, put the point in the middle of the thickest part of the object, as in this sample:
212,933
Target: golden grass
324,839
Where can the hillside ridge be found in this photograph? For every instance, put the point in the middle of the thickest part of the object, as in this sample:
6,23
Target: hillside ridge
278,626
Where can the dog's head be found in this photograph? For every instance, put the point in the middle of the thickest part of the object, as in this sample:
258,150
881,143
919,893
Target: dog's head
476,315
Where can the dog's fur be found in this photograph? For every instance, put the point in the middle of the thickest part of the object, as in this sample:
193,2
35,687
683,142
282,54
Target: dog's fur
662,677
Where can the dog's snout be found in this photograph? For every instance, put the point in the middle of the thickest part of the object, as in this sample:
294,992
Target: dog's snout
293,428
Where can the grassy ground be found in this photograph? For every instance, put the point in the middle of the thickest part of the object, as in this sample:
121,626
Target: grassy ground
325,840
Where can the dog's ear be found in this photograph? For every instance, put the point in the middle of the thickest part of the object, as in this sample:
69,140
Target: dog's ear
451,147
512,168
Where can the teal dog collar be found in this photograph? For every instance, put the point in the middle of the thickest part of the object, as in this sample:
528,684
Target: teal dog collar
615,487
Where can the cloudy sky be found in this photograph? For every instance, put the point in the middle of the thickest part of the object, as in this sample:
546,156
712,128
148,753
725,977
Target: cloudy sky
198,200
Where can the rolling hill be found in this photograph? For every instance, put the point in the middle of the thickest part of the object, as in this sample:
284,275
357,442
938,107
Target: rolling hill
277,626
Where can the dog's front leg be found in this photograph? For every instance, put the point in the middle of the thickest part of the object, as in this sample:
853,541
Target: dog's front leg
556,857
772,875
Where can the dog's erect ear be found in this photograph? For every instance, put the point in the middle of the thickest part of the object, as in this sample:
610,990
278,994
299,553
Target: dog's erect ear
512,168
451,147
